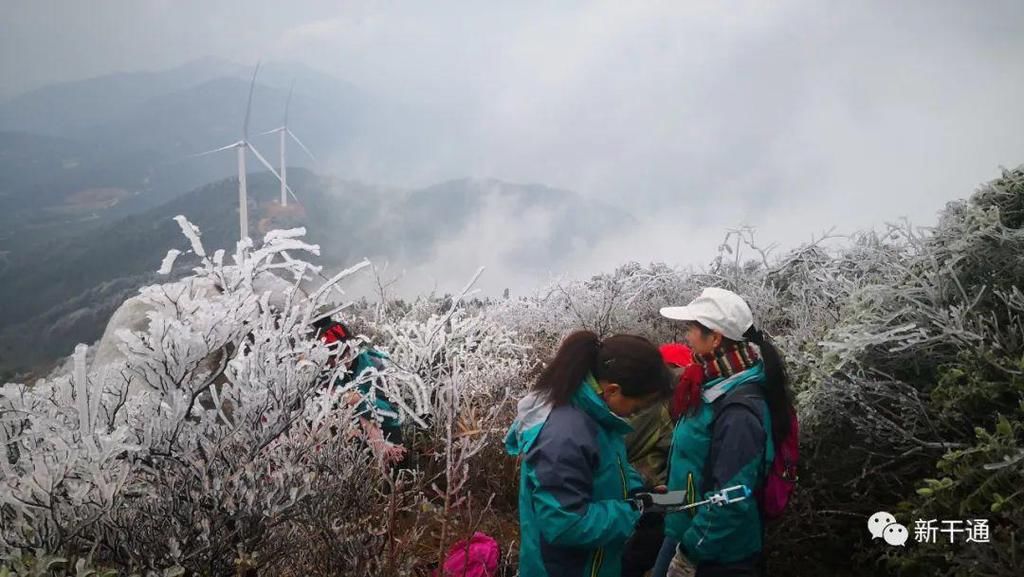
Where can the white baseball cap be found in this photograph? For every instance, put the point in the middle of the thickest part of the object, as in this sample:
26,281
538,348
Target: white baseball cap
719,310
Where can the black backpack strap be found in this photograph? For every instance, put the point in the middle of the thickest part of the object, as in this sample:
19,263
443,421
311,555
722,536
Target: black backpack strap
746,396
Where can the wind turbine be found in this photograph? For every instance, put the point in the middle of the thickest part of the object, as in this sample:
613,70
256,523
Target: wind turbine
284,132
241,146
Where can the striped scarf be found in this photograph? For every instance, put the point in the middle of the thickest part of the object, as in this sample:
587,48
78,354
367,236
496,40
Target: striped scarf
727,360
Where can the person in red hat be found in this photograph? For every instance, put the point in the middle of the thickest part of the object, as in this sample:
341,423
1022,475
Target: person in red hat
378,417
647,449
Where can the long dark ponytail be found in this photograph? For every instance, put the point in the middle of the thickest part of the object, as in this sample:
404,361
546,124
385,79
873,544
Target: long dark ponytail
776,385
631,361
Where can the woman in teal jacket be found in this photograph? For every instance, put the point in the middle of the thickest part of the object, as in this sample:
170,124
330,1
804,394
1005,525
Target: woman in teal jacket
575,480
727,439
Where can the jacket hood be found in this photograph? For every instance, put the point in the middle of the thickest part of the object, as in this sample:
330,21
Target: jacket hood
532,412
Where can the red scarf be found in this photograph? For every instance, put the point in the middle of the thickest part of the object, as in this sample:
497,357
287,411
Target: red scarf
686,397
725,361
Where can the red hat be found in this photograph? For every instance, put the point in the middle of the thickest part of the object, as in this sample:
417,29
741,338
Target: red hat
676,354
334,333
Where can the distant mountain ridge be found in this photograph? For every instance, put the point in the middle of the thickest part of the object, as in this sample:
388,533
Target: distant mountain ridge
138,132
63,292
92,172
68,108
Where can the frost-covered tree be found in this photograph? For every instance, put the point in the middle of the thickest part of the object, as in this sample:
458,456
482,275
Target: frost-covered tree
193,431
211,422
207,417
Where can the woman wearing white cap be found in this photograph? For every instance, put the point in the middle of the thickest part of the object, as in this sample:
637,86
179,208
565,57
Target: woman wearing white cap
727,440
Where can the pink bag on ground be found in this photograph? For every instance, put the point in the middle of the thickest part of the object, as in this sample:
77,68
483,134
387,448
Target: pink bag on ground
479,559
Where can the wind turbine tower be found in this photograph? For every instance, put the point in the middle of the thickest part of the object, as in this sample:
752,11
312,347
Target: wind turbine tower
284,133
241,146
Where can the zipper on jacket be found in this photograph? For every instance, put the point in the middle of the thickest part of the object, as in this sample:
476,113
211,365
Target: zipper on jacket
598,560
622,475
691,493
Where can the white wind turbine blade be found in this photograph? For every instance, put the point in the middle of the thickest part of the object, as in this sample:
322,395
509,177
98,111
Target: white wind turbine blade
270,168
288,104
273,131
216,150
248,107
299,142
263,160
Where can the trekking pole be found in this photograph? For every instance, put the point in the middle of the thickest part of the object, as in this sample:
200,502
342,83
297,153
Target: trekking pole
676,501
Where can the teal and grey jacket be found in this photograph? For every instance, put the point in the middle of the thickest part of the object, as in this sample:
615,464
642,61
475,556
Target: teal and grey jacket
362,373
733,447
574,483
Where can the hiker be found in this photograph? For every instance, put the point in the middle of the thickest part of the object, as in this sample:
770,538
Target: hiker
380,423
729,437
575,479
647,449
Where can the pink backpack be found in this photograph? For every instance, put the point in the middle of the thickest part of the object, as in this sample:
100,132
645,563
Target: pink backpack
477,557
782,476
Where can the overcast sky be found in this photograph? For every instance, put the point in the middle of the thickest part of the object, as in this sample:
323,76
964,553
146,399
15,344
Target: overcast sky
789,116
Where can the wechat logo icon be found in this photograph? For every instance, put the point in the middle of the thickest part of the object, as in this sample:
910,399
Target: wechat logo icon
883,526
